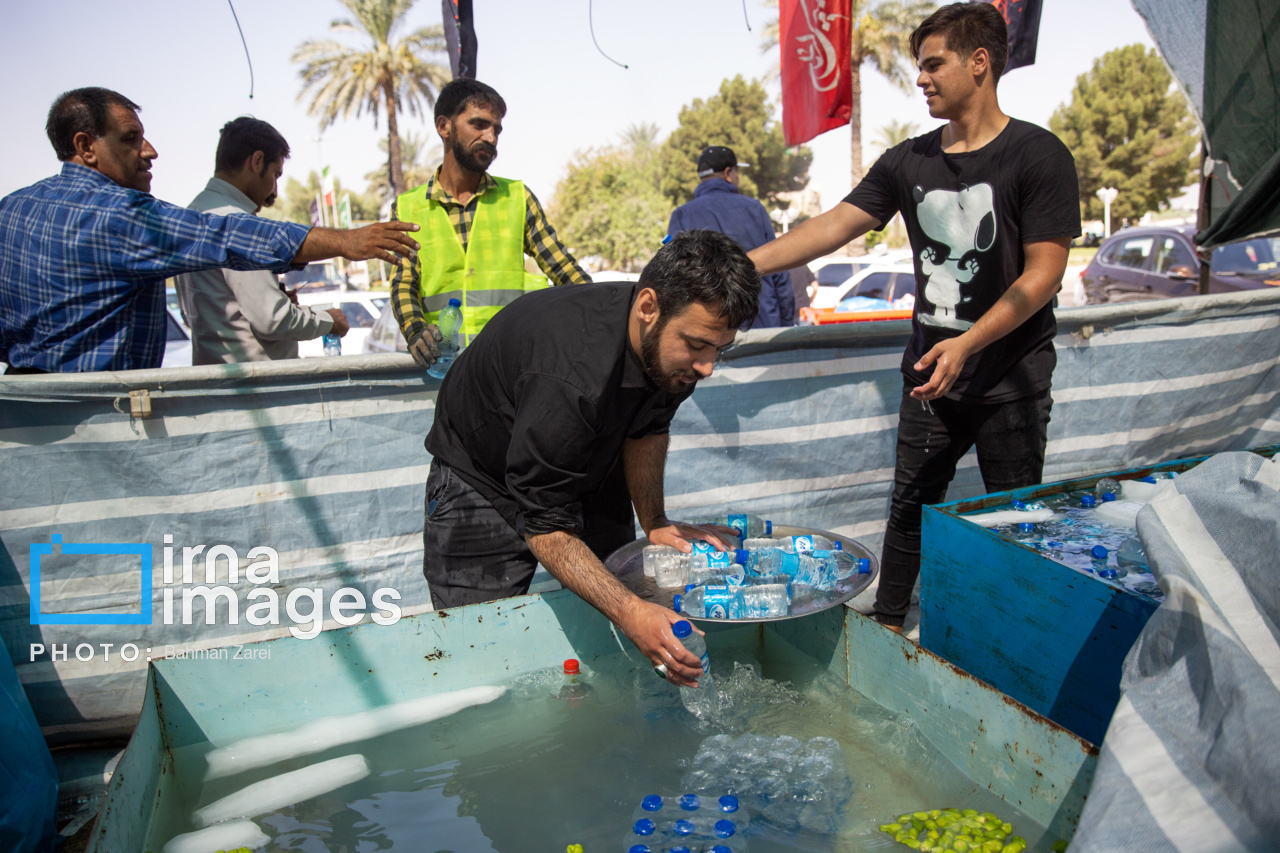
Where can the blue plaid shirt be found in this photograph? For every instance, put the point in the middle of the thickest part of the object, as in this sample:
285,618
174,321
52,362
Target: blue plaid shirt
83,263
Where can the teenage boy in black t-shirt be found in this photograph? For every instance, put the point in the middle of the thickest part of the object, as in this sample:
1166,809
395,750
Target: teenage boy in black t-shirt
991,204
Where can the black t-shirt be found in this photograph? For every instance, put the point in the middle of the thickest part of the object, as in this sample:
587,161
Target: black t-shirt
968,216
534,412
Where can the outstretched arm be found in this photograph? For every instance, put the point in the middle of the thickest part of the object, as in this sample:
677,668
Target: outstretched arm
647,625
387,241
1041,278
813,238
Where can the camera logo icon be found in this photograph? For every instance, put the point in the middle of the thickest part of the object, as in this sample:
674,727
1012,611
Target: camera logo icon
141,550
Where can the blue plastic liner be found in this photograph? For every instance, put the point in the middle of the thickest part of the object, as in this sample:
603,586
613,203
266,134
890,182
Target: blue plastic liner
28,781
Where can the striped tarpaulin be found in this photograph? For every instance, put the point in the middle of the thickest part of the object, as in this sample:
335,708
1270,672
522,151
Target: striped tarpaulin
1192,755
322,460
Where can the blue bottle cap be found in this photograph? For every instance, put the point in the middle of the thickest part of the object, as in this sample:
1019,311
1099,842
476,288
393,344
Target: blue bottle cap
640,848
677,601
741,555
1088,500
725,829
1109,574
644,826
1025,527
719,848
1108,496
1098,552
728,804
1054,544
651,803
768,527
456,303
864,565
682,827
1148,479
682,629
839,546
1019,505
690,802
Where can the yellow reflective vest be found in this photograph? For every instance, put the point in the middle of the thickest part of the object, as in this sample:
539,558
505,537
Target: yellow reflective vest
486,277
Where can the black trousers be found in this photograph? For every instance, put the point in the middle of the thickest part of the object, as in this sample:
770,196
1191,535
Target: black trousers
1010,438
471,554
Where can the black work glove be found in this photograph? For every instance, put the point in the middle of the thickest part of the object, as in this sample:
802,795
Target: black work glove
425,347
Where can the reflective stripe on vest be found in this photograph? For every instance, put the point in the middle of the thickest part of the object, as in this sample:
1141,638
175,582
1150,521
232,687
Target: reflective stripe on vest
490,274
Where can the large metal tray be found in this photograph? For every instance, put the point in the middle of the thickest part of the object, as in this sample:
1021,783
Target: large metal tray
627,564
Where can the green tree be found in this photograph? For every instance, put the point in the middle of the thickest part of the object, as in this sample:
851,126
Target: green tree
386,75
1128,129
740,117
880,36
418,162
608,205
294,204
895,133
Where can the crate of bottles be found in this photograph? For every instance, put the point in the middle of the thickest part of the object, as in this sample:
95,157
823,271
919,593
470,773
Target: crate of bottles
1045,604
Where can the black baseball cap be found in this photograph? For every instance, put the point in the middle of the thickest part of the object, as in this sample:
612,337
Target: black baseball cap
717,158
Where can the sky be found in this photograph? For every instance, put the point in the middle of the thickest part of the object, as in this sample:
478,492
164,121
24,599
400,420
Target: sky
184,64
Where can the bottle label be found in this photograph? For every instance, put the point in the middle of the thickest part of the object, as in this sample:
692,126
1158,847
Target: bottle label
701,547
739,523
717,611
717,602
803,544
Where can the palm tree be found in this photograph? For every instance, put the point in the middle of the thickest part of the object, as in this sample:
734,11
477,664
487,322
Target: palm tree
895,133
387,75
880,35
417,163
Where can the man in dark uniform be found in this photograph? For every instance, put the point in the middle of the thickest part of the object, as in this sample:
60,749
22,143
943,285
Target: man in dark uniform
557,391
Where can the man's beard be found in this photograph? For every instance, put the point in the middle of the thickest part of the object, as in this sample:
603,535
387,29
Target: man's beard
468,160
649,345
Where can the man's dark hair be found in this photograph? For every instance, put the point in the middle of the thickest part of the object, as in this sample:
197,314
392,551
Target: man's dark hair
240,137
967,27
708,267
81,111
465,92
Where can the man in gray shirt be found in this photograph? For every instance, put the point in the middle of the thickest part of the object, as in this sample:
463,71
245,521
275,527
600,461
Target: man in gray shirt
245,316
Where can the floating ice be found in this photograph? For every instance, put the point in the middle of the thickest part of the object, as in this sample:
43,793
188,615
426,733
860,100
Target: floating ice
329,732
1009,516
284,790
224,836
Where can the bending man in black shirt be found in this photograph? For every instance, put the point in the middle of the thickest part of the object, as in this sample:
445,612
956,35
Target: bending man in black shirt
991,204
558,390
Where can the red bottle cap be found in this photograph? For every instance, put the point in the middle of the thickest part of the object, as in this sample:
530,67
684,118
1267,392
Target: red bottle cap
571,667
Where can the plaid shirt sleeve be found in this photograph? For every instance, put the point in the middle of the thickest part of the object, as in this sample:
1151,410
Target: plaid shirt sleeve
153,236
406,294
541,242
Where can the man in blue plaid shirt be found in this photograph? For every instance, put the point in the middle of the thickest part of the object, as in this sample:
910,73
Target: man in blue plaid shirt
84,254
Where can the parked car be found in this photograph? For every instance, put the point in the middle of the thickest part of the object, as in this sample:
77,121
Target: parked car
1156,262
361,307
889,282
835,270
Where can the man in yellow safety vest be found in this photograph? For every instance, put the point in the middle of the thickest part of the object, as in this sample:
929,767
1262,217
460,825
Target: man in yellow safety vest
475,228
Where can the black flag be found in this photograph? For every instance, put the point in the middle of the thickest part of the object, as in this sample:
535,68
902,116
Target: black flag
460,37
1023,19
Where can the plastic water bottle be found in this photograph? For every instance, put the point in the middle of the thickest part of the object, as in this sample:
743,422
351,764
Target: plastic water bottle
747,526
574,688
1106,486
765,601
1131,555
710,602
671,569
332,344
449,323
809,542
651,553
703,699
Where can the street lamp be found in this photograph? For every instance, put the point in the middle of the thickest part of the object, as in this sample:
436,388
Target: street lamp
784,217
1108,195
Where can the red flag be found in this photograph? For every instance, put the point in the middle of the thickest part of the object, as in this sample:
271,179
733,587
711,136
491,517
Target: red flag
817,92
